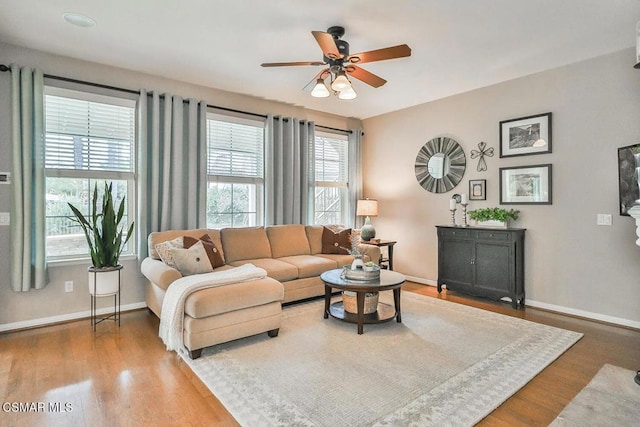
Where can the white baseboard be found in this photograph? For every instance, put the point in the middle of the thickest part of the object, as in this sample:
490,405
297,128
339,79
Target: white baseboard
66,317
556,308
422,281
582,313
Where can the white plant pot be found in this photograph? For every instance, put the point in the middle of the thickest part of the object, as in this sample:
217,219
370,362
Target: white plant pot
107,281
357,263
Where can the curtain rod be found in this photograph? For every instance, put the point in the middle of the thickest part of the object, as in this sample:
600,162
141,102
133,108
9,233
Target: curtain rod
5,68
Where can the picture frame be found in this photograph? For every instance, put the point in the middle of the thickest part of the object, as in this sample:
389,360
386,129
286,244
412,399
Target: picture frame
477,189
526,185
628,177
525,136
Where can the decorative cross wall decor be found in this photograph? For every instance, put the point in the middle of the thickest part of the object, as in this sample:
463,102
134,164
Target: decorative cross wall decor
480,153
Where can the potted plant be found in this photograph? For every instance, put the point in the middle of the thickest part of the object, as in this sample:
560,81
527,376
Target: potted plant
105,238
492,217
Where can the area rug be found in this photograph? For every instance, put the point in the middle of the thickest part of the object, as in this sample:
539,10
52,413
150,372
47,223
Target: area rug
446,364
612,398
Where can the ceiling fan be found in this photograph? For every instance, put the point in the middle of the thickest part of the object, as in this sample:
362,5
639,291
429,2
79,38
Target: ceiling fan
340,64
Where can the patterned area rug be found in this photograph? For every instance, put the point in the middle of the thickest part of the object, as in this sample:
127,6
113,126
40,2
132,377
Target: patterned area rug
612,398
446,364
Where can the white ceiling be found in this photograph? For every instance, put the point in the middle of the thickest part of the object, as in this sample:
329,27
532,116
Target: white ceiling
457,45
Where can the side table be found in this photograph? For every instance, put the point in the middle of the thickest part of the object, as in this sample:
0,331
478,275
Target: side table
383,262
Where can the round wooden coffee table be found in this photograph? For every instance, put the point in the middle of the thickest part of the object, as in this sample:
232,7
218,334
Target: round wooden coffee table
388,281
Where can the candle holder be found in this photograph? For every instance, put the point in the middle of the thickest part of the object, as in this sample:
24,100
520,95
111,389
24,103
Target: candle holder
453,217
464,214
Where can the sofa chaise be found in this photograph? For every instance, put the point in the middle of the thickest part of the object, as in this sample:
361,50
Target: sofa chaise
293,256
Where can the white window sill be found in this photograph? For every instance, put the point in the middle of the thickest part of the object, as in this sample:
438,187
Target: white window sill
83,261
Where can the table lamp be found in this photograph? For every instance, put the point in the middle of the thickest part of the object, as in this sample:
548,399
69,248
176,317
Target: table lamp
367,207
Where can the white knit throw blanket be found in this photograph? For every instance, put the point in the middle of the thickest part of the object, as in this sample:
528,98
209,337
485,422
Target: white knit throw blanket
171,325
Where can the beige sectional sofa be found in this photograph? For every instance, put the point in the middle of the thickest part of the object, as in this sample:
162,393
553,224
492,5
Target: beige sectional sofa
292,257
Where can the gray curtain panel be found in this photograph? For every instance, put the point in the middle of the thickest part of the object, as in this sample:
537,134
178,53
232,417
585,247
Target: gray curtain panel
172,161
28,258
290,171
355,176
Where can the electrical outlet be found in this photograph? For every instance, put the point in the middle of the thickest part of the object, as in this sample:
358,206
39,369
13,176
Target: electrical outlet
68,286
5,218
603,219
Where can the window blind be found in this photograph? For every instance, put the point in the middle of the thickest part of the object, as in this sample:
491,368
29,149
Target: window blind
331,159
87,135
235,149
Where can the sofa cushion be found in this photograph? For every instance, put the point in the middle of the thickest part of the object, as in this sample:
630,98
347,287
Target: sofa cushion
340,259
163,236
276,269
245,243
212,250
287,240
336,242
192,261
309,265
314,235
223,299
163,250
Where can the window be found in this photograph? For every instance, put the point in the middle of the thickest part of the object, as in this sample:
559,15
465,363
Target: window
235,172
332,172
89,139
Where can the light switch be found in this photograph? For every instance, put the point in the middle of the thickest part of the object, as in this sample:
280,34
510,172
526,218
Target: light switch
5,218
603,219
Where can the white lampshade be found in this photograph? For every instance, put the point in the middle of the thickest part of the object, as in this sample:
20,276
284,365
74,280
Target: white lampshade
320,90
348,93
368,207
341,82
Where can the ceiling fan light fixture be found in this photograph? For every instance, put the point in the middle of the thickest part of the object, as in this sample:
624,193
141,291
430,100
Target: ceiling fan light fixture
348,94
320,90
341,82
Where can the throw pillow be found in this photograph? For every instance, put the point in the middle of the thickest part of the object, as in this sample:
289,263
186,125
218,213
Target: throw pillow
192,261
212,251
334,242
164,252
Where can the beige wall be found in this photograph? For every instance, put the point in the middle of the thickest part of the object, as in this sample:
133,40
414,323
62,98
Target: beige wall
571,263
24,309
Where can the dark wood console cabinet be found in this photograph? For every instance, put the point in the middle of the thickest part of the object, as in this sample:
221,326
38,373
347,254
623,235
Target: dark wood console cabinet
485,262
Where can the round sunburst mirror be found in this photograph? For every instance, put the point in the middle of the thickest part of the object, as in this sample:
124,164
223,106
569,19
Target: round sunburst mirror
440,165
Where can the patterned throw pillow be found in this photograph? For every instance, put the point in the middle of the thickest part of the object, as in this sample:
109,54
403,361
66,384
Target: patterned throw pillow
212,251
334,242
164,250
192,261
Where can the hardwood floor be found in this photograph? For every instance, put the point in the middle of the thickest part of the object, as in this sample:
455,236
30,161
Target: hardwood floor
124,376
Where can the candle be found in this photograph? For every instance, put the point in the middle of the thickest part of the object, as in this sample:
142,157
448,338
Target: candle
465,199
452,204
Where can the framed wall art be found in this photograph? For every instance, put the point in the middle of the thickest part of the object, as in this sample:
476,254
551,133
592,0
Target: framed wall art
526,185
525,136
629,177
477,189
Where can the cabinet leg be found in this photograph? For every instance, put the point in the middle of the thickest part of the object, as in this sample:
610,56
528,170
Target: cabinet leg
439,288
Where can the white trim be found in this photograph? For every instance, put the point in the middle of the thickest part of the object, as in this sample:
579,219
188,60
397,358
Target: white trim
422,281
44,321
555,308
586,314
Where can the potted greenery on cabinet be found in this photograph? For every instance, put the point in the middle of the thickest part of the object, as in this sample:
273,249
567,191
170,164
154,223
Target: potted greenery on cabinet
106,240
493,217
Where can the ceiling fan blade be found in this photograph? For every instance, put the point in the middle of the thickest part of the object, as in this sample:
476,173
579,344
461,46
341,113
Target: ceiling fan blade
315,79
289,64
327,44
393,52
364,75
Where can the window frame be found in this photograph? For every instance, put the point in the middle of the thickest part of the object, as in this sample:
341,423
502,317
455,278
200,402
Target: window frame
259,182
96,175
342,185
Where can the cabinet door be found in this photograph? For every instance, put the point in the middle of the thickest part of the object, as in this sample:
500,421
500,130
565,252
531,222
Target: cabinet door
494,266
454,266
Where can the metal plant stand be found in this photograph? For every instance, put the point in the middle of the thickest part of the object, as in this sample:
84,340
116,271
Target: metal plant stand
115,316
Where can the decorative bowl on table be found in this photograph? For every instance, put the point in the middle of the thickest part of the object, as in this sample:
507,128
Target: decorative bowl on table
361,273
